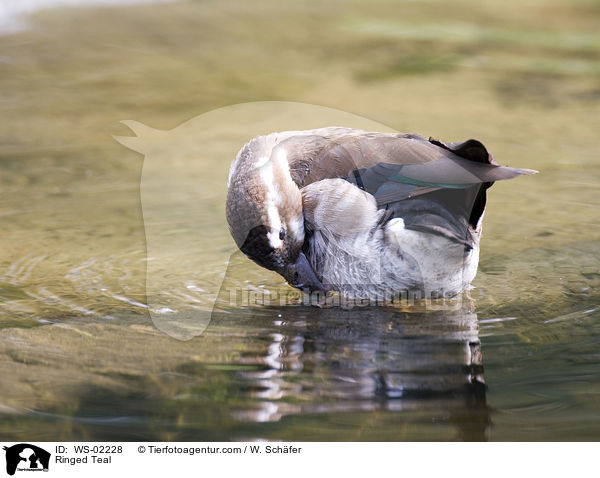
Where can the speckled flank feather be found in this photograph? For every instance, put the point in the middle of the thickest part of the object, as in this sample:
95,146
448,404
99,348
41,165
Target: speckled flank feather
363,258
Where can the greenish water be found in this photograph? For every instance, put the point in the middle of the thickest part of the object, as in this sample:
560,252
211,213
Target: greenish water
99,257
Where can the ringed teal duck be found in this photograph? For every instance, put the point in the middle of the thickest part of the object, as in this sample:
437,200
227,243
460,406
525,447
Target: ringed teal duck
370,215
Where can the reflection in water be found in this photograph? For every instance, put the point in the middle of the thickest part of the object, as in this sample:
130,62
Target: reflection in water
82,359
286,373
329,361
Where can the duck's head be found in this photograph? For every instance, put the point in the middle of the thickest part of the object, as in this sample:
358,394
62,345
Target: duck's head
265,216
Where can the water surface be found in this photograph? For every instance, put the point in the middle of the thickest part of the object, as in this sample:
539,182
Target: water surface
82,358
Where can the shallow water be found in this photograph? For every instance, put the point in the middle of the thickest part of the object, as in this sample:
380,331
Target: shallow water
102,259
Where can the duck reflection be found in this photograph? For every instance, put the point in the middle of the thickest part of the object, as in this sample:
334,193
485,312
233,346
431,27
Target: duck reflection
331,360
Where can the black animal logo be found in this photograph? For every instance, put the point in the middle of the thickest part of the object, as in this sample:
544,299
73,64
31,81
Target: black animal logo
28,456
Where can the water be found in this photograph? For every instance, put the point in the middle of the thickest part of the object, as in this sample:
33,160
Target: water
13,13
87,262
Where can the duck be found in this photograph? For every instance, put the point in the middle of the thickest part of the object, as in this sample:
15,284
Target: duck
368,215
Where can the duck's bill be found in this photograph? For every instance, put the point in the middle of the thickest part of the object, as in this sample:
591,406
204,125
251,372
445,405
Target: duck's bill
302,276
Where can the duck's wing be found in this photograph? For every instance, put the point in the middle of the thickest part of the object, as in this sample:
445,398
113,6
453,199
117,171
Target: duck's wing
374,159
434,186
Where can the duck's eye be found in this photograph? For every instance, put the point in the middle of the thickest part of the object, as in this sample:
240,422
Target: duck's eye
281,234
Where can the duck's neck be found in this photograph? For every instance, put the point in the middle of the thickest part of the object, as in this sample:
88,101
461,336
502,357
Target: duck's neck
282,200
